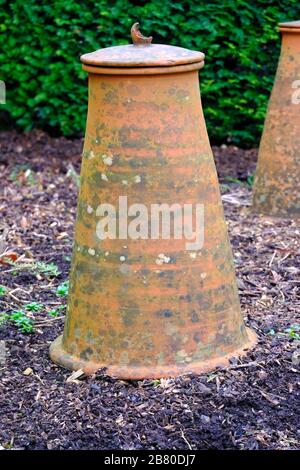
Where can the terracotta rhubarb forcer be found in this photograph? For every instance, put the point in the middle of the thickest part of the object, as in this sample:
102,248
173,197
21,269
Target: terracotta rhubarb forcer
277,180
149,307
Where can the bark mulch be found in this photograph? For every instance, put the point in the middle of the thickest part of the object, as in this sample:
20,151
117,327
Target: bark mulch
253,404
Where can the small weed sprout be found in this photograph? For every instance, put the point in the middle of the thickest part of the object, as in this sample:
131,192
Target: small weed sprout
2,291
49,270
57,311
231,179
250,180
34,307
63,289
23,323
39,268
156,382
293,332
4,317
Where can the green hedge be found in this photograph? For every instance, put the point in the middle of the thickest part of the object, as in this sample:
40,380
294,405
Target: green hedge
41,41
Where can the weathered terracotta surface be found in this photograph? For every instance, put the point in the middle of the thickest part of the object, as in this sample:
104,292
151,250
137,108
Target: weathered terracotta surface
277,180
149,308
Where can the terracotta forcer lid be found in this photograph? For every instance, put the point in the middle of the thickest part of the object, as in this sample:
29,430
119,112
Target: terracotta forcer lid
141,54
290,25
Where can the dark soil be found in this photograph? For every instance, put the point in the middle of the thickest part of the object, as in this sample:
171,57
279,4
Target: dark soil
253,404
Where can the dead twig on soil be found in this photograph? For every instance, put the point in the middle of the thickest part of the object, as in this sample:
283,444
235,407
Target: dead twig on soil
185,440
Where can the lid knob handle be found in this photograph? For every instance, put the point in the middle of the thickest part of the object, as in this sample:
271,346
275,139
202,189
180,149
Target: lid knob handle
138,38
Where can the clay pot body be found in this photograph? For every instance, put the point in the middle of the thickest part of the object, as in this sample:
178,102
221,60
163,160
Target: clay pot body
149,307
277,179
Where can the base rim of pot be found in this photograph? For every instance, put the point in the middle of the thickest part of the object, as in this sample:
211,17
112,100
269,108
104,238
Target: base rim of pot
71,362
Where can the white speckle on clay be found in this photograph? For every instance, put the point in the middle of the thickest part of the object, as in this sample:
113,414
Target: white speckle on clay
137,179
193,255
89,209
106,253
203,275
78,249
91,154
162,259
91,251
104,177
125,182
107,159
122,258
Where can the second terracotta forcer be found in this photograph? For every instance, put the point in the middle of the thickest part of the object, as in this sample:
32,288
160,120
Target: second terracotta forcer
150,305
277,180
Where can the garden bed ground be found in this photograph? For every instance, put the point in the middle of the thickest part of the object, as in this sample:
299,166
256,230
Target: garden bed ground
253,404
